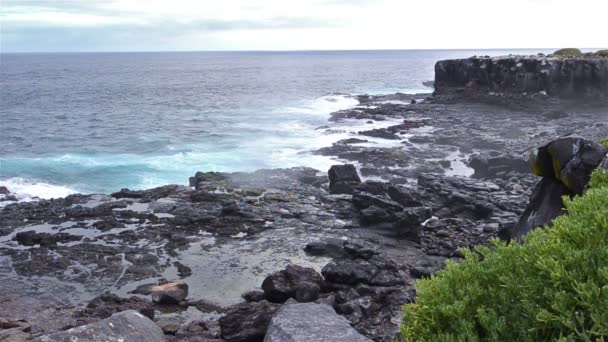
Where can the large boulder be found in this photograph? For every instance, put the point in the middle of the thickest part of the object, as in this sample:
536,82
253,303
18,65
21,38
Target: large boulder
311,323
343,179
300,283
247,322
569,159
545,205
566,165
126,326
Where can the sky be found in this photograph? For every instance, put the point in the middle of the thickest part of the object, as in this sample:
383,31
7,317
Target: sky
189,25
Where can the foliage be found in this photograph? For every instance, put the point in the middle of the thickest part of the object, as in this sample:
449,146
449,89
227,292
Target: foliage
602,53
554,286
604,142
568,52
599,179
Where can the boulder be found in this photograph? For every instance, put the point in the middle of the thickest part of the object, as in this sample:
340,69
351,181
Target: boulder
106,305
545,205
376,270
301,283
247,322
311,323
4,191
569,159
343,178
127,326
170,293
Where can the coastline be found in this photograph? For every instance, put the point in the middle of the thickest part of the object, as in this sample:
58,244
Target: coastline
246,226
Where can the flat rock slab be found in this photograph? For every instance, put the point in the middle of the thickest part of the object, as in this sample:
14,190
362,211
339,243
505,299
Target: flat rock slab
309,322
125,326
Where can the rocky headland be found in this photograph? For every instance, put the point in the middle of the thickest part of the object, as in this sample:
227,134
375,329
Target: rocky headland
244,256
582,77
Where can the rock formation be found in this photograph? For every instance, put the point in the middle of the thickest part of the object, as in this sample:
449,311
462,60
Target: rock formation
564,77
565,165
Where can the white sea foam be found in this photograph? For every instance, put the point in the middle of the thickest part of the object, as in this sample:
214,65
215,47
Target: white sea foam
27,190
323,105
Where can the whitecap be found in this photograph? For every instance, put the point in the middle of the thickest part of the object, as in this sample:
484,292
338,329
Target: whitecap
28,190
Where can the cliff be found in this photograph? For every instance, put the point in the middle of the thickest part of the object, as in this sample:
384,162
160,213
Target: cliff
563,77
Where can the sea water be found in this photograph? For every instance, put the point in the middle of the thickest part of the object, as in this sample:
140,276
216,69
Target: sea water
98,122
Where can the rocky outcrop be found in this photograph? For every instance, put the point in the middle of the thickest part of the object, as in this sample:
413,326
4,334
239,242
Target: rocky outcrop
301,283
564,77
311,323
565,165
342,179
247,322
127,326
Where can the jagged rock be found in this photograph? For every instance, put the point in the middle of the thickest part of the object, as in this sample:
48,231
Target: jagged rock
343,178
570,160
545,205
490,166
311,323
170,293
4,191
253,296
31,238
376,270
106,305
556,76
14,331
125,326
247,322
301,283
409,222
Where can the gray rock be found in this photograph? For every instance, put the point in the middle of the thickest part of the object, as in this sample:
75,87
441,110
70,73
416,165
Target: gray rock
545,205
126,326
170,293
342,179
247,322
301,283
311,323
560,77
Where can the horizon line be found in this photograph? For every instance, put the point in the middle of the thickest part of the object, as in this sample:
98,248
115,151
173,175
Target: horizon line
279,50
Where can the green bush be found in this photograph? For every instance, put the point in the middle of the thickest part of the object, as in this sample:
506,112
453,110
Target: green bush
554,286
604,142
602,53
568,52
599,179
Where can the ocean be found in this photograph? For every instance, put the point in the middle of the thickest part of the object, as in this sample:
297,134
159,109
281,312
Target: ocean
99,122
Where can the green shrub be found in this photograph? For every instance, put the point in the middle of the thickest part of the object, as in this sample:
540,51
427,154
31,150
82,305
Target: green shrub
602,53
604,142
553,286
599,179
568,52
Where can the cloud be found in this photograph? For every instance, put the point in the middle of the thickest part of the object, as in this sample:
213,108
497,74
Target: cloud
94,25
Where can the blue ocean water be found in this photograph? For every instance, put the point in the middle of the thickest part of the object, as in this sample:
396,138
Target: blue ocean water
97,122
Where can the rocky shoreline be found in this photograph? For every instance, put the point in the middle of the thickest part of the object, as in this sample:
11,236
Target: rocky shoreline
220,259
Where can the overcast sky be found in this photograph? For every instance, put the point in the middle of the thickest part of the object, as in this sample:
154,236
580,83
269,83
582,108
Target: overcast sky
159,25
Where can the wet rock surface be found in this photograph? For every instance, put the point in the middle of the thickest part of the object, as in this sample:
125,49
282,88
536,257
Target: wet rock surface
124,326
312,323
354,239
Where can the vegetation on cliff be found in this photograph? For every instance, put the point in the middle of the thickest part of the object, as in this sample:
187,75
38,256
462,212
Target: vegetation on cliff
568,52
553,286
